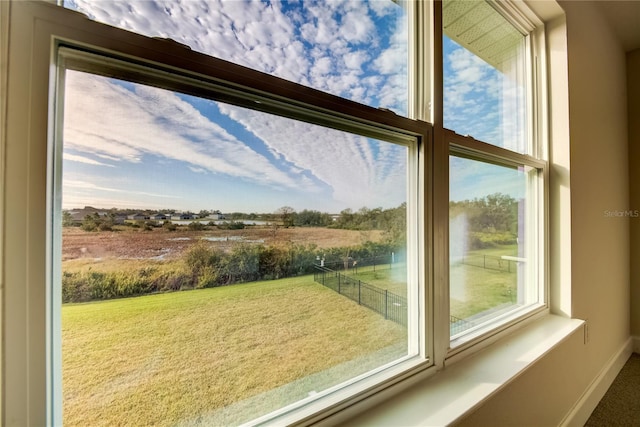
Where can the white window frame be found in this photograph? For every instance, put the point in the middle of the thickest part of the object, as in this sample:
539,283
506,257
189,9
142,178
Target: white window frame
224,82
535,157
534,222
29,44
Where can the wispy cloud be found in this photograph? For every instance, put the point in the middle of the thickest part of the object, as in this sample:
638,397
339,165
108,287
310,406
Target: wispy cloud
360,171
130,123
197,170
81,159
354,49
83,185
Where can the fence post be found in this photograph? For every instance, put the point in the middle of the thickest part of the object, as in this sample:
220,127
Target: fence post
359,284
386,303
339,283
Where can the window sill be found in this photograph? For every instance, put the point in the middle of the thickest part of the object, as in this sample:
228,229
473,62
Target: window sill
458,389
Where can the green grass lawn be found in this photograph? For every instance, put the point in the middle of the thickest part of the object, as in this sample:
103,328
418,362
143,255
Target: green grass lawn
192,357
474,289
392,279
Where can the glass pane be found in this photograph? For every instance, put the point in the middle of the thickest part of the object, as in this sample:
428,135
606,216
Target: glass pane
220,263
484,75
491,241
353,49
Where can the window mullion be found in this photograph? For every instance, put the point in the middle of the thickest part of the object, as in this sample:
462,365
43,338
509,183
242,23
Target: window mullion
440,174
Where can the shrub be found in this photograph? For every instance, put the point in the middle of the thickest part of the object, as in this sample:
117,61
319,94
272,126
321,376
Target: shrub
94,285
196,226
200,256
168,225
173,281
231,225
105,226
483,240
208,278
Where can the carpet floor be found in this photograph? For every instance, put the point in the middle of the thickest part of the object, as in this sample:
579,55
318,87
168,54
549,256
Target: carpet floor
620,405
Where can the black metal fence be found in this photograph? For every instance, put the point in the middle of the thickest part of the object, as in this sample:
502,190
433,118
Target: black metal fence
382,262
490,262
388,304
457,325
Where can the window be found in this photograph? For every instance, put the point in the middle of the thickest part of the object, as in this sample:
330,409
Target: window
496,190
174,313
245,153
485,75
493,240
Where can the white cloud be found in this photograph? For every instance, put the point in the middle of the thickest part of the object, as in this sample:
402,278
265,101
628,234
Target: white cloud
357,27
130,124
359,171
481,101
81,159
382,7
337,46
197,170
284,39
84,185
355,60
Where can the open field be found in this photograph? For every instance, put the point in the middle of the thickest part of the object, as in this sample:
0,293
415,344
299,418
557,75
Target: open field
161,244
204,356
184,357
392,279
475,289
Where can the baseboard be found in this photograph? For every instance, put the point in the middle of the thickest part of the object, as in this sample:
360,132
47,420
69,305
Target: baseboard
582,410
636,344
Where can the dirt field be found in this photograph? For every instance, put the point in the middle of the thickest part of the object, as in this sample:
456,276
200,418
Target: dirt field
129,243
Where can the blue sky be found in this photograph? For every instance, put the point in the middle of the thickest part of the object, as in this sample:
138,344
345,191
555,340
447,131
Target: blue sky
131,146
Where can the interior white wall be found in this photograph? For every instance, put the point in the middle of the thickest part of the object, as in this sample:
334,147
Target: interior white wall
633,97
547,392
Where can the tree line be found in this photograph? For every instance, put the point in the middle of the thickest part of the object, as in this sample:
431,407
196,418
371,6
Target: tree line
204,266
490,220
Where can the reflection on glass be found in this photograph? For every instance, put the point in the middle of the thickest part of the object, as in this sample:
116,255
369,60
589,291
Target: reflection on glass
353,49
220,263
484,75
489,241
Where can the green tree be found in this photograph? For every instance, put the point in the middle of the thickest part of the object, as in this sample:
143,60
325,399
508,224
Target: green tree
67,219
89,223
286,215
242,264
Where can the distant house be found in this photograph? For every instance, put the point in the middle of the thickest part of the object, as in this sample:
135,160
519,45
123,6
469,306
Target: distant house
217,216
186,215
78,215
138,216
159,217
120,219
